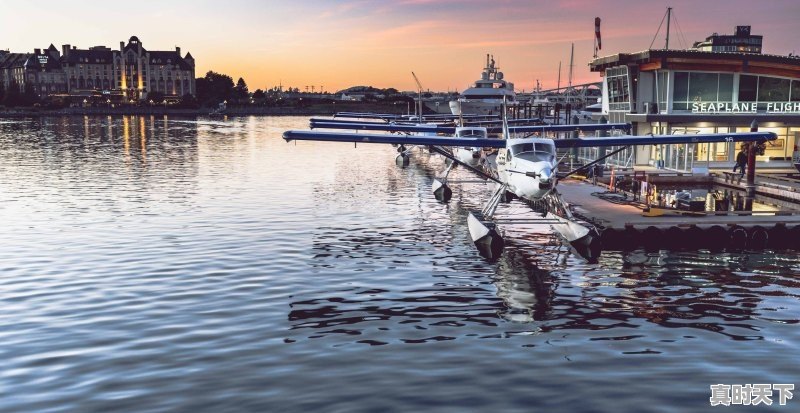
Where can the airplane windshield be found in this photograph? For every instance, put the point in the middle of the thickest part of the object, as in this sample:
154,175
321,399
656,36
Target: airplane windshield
472,133
534,152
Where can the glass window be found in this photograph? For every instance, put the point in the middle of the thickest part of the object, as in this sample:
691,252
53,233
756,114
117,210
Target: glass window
662,87
703,87
772,89
725,87
795,91
472,133
747,88
680,91
618,94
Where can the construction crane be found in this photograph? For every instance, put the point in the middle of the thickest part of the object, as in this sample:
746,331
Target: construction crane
419,96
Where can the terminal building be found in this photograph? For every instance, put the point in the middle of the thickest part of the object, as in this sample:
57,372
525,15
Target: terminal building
720,86
130,73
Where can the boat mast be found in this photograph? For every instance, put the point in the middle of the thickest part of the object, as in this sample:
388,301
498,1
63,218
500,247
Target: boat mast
669,17
569,87
558,88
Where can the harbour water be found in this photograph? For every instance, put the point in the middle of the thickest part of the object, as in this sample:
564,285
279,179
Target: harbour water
153,265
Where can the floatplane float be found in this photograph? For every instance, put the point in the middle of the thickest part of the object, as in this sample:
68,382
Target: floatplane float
525,168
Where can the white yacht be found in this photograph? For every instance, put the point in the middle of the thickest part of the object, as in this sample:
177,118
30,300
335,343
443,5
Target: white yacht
486,96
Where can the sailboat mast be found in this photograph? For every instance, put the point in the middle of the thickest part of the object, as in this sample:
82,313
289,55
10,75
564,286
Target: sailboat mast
571,56
558,87
669,17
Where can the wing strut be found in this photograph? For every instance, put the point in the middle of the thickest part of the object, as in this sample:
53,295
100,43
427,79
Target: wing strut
472,169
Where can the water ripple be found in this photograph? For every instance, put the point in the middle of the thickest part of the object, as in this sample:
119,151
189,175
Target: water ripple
160,264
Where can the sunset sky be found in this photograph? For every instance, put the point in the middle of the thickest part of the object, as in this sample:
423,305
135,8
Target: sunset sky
337,44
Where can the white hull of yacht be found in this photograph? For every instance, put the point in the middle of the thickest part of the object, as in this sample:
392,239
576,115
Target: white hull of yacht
441,108
478,107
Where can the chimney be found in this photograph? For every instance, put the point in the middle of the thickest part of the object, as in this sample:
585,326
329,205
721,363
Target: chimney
64,50
37,51
178,50
121,45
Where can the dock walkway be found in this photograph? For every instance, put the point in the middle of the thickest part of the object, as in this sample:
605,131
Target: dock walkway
623,225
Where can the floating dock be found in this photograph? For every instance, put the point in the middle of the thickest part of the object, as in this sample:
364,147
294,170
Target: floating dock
625,225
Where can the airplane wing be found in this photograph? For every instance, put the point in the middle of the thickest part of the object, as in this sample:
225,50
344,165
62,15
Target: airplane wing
388,127
389,116
584,127
392,139
665,139
376,126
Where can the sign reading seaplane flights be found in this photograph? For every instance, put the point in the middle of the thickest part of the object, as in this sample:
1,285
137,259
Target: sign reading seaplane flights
525,167
745,107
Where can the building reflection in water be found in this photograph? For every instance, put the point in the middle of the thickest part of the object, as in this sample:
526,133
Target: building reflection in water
113,147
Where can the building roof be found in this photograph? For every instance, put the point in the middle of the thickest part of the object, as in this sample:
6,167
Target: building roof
14,60
653,59
91,56
174,58
42,61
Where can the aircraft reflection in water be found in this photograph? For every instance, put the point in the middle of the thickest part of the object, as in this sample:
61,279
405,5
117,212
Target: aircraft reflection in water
727,294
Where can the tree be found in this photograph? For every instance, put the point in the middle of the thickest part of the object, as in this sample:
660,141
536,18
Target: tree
188,101
214,88
259,94
240,92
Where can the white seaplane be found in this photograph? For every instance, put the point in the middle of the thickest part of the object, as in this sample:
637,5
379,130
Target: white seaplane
525,167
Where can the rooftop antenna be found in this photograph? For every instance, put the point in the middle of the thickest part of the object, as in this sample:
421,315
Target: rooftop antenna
669,17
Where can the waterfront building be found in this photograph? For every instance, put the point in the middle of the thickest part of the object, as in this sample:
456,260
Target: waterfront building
131,73
697,91
741,41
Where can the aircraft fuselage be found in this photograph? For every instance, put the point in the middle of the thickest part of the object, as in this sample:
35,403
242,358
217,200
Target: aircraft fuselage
528,167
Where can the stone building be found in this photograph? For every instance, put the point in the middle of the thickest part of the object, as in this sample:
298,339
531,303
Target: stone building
131,73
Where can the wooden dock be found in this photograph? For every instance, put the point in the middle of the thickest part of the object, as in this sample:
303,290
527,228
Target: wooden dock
623,225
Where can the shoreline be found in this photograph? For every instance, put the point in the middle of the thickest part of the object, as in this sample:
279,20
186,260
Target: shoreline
314,110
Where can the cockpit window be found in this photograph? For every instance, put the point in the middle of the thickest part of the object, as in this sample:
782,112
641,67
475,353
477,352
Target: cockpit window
472,133
534,152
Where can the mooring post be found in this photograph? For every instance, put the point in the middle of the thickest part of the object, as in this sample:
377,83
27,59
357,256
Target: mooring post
751,171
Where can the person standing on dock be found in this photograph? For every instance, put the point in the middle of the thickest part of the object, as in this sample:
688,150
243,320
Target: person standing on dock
741,160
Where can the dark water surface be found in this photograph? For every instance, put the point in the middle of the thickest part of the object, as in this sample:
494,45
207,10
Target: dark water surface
208,266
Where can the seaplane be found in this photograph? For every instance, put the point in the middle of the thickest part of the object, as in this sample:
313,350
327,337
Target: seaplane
525,168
